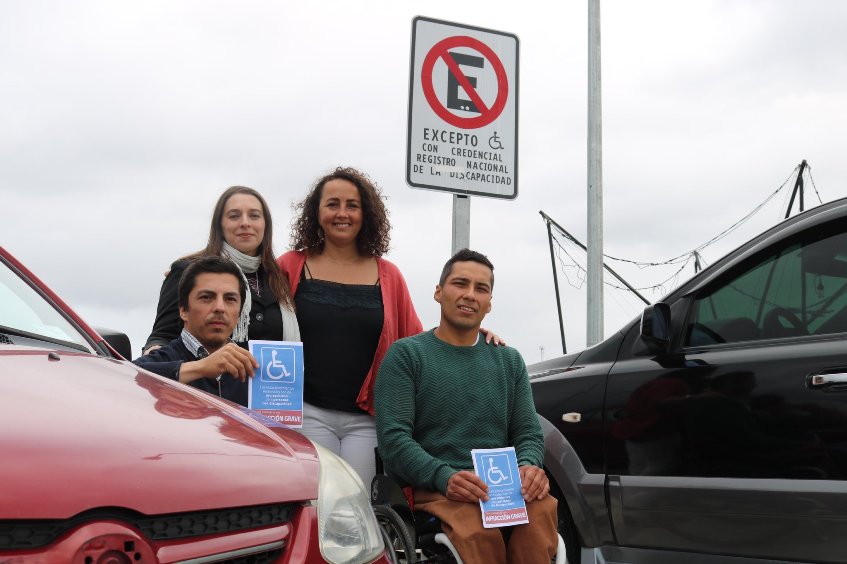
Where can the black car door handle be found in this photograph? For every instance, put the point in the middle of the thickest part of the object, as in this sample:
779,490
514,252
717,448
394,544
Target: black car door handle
822,380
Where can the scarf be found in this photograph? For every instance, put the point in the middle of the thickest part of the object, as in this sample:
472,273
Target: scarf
246,263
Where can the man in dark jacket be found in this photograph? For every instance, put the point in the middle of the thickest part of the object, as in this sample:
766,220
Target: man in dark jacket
211,293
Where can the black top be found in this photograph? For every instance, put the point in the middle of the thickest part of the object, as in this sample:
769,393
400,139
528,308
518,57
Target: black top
340,325
167,361
265,317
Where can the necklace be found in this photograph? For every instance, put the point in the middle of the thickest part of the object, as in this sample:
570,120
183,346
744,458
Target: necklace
253,282
342,262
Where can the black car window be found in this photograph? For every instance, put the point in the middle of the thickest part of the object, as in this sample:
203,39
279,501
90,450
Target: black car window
799,290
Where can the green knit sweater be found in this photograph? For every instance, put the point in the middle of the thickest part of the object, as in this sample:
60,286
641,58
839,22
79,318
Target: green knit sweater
435,402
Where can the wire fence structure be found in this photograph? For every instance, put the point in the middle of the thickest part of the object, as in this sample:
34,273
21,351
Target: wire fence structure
568,254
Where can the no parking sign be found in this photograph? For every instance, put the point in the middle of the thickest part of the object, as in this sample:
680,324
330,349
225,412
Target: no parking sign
463,110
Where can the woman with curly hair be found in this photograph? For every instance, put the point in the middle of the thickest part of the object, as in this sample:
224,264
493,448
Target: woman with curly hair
351,303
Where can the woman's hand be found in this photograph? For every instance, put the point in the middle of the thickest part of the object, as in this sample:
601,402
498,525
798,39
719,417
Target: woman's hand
491,337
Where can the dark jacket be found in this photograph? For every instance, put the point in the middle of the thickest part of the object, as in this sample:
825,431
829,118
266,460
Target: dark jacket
167,360
265,317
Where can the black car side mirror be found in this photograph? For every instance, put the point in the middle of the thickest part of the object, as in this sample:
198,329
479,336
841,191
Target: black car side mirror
117,340
656,327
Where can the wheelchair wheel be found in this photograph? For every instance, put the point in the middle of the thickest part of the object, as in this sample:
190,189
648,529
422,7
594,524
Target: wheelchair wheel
397,536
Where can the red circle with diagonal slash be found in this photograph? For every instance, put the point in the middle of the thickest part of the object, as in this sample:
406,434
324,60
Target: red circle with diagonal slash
440,51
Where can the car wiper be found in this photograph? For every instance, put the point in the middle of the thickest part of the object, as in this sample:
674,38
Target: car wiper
36,337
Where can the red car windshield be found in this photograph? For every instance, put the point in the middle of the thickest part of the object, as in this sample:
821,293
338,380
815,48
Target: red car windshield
26,313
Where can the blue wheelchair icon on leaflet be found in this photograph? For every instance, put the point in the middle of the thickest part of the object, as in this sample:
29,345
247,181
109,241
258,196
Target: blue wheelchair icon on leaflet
497,471
278,365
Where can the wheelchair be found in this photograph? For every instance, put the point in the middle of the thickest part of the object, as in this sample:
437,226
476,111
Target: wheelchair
416,536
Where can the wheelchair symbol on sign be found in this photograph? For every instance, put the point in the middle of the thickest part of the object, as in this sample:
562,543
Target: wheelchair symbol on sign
494,474
494,142
275,370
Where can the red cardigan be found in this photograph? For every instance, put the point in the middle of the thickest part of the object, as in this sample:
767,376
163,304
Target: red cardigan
400,317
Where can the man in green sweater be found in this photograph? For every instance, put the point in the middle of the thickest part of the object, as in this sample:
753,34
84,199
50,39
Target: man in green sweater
444,392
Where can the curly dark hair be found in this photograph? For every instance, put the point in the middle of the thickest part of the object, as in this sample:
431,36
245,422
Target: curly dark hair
374,236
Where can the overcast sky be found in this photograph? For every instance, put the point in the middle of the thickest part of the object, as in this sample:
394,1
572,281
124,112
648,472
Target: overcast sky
121,123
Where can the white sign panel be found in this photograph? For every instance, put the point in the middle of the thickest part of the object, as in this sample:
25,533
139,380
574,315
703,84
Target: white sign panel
463,110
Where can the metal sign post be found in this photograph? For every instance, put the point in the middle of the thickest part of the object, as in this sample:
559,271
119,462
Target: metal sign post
463,115
461,222
594,314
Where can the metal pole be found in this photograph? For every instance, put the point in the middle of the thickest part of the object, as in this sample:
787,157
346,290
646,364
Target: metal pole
461,223
608,268
594,330
801,185
556,285
798,187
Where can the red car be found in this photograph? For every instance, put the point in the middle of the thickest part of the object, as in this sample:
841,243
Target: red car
101,462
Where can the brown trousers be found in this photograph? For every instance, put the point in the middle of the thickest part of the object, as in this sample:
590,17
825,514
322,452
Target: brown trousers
533,543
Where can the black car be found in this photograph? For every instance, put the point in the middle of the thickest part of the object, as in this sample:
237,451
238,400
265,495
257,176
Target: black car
713,428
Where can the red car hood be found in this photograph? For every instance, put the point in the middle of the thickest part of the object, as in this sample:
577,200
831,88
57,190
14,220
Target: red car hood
80,432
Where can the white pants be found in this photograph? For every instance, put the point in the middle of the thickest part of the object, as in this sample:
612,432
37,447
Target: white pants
352,436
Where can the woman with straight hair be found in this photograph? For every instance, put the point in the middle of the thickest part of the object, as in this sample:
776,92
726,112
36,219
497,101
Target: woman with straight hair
242,230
